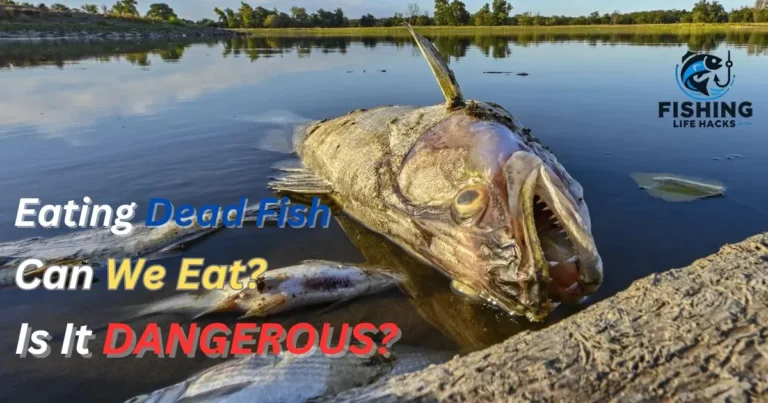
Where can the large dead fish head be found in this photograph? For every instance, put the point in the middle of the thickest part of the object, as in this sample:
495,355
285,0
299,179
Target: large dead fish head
499,214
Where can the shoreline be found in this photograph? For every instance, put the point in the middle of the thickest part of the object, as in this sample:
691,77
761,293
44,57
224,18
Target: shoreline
157,31
692,28
685,333
86,34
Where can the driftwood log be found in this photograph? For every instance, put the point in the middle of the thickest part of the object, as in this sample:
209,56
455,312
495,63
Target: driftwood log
692,334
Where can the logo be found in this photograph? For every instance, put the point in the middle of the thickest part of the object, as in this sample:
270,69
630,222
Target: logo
704,77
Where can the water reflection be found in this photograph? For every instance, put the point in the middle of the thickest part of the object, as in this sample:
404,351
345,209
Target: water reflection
18,54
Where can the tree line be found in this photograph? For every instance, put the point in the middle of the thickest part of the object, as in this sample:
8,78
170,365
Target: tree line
122,8
445,13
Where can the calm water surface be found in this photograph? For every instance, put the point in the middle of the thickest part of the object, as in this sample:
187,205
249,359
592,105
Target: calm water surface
203,123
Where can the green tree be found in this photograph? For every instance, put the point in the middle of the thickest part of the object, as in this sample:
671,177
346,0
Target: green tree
300,16
59,8
125,8
233,20
594,18
367,20
223,19
161,11
459,13
501,10
274,21
525,19
90,8
744,14
483,17
442,12
423,20
245,13
760,7
706,12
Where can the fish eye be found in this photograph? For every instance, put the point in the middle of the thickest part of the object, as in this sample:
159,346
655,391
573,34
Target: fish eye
470,202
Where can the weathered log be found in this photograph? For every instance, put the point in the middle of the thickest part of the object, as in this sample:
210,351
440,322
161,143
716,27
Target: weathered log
692,334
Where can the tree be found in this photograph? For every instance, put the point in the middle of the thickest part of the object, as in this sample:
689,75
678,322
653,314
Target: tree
274,21
760,5
413,12
483,17
125,8
525,19
246,15
233,20
423,19
367,20
442,12
501,10
59,8
161,11
90,8
300,16
338,18
222,16
594,18
459,13
744,14
706,11
260,15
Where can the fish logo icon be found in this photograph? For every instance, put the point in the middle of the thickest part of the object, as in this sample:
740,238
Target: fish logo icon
702,76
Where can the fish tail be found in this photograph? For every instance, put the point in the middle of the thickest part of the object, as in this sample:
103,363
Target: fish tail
192,305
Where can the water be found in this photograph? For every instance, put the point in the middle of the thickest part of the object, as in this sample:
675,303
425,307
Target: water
203,122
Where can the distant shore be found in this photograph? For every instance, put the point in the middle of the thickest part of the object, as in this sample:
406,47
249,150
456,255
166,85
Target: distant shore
41,31
510,29
33,22
127,29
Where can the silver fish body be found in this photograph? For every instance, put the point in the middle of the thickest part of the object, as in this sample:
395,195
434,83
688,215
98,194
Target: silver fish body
309,283
290,378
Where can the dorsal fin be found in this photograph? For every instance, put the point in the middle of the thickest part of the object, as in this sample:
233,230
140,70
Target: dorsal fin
443,73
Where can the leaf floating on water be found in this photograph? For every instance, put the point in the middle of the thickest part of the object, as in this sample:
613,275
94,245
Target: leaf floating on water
676,188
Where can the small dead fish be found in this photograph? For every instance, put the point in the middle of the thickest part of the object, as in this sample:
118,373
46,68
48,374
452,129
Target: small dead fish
310,283
676,188
95,246
290,378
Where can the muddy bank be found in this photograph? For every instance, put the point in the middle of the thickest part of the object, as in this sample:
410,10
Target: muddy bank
693,334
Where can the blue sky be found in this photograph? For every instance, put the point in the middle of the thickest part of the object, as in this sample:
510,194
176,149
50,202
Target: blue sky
197,9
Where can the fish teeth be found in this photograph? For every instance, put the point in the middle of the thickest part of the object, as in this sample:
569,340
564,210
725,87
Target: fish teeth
546,208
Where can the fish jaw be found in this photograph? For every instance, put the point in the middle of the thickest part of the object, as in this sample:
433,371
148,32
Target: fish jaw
559,259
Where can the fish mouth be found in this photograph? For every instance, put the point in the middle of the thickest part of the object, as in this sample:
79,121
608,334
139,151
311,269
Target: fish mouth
559,261
559,242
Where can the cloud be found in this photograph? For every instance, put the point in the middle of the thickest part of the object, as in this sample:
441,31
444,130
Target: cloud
56,103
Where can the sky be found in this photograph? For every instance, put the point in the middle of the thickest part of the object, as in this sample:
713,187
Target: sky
198,9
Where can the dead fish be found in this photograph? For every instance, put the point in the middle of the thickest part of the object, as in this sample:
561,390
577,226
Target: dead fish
291,378
461,186
310,283
95,246
676,188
